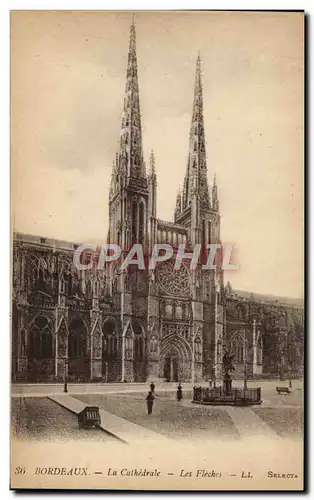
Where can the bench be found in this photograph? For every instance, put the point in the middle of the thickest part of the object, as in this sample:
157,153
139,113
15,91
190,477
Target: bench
89,417
283,389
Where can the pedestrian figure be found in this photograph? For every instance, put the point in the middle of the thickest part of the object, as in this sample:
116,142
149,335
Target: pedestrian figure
210,384
150,401
179,392
152,388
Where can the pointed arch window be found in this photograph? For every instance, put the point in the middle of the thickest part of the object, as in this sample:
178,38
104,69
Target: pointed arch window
88,289
168,311
198,350
179,311
138,341
41,339
219,352
37,275
129,348
204,232
134,220
69,283
141,222
241,313
41,280
110,341
153,345
239,352
77,339
209,233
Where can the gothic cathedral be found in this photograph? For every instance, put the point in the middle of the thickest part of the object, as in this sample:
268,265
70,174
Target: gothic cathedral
135,325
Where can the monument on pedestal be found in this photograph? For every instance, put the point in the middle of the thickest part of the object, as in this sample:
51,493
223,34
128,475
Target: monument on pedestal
225,394
228,367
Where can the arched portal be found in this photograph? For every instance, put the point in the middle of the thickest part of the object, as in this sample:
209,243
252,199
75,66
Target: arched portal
171,366
78,362
175,359
139,354
111,351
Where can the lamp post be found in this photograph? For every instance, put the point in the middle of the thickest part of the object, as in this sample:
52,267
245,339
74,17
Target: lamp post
193,360
65,388
214,365
245,362
290,362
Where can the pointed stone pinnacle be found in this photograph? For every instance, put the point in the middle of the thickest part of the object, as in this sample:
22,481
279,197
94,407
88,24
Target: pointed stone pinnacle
152,170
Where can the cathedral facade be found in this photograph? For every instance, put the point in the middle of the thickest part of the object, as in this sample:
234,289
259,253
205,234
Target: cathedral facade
136,324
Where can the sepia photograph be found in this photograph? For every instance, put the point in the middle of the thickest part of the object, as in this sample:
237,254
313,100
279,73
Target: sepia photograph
157,250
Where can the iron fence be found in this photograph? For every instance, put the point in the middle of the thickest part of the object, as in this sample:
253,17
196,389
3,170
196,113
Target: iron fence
216,394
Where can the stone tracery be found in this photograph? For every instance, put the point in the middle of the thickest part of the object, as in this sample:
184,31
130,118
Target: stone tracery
173,281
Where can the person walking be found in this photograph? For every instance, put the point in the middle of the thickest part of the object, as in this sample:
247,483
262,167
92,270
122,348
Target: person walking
179,392
150,401
152,388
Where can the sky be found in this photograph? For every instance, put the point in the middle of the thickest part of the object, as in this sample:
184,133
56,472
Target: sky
68,73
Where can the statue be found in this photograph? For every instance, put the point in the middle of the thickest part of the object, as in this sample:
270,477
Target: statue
228,367
227,362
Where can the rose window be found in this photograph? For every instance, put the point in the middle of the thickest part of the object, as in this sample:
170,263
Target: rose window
173,281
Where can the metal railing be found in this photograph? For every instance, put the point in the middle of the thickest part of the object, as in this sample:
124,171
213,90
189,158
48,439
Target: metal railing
216,394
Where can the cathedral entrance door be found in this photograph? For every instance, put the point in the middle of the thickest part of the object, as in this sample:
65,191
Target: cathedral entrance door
175,359
171,369
175,369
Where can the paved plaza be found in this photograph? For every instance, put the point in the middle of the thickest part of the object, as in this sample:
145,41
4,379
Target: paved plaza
124,413
42,419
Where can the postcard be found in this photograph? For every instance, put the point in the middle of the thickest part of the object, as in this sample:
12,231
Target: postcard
157,171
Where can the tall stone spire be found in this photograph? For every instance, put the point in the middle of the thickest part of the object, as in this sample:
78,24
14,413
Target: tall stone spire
131,161
129,190
195,182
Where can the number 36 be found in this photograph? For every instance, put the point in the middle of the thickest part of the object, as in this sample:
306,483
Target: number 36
20,470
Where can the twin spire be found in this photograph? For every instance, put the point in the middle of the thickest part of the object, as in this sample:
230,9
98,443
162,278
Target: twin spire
195,181
129,167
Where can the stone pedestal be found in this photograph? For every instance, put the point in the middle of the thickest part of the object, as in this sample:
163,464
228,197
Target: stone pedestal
227,384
